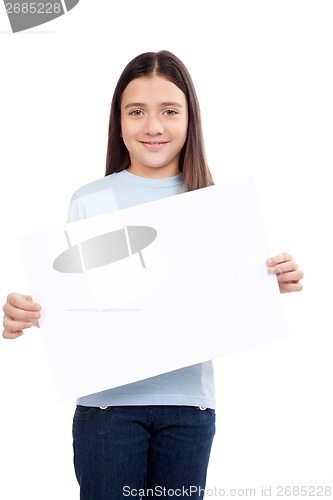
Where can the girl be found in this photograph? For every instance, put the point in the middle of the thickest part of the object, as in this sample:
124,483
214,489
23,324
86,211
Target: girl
154,435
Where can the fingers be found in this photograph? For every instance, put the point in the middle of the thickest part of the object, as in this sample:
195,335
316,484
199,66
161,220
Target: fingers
23,302
284,275
282,268
11,325
11,335
279,259
286,271
290,287
20,312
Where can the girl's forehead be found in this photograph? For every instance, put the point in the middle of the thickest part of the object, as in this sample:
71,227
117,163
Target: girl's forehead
152,87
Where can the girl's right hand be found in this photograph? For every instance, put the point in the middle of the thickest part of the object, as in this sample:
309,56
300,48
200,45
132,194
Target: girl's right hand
20,313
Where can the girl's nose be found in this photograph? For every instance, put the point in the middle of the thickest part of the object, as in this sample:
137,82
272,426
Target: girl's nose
153,125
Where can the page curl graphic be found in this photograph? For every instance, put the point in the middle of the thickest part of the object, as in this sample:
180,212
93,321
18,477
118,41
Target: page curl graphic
23,15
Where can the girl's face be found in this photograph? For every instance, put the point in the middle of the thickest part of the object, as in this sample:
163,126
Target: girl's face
154,120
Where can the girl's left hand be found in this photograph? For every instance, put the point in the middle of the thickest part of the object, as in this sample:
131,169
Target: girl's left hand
287,272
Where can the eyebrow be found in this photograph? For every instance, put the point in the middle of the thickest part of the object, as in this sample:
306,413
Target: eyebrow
142,104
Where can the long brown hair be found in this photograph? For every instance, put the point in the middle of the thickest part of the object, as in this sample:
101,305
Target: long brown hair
192,161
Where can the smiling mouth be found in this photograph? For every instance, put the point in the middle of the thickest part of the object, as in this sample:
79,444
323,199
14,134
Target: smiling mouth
153,145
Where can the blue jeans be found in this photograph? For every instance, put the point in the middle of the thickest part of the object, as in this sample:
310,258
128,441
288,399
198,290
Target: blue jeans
142,451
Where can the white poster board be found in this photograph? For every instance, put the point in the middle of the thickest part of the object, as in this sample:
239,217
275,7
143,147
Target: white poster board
153,288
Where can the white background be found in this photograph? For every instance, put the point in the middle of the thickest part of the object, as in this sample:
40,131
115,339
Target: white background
263,73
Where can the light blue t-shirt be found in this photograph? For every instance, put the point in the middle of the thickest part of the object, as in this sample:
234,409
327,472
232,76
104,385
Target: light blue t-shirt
190,386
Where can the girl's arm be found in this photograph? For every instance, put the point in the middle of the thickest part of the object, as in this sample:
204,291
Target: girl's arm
287,272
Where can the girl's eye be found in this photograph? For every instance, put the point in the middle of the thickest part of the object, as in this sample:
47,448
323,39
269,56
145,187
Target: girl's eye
136,112
170,112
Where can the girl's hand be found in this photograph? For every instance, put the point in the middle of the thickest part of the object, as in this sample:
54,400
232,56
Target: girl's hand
287,272
20,313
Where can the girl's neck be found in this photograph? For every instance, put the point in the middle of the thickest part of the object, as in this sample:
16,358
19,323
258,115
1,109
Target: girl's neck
153,173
